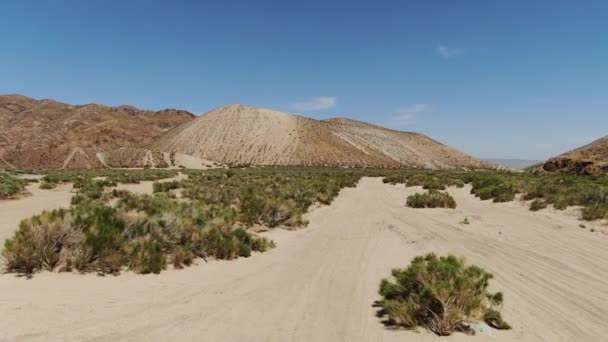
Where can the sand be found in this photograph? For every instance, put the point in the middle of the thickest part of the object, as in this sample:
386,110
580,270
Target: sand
319,284
36,200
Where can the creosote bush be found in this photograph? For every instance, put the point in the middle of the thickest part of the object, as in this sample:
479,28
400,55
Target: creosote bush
145,233
538,204
595,212
431,199
561,191
92,236
10,185
442,294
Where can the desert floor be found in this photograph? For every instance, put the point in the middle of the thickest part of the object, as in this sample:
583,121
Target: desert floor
320,283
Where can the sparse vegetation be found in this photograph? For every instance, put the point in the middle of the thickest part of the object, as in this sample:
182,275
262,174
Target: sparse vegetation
165,186
145,233
10,185
538,204
561,191
595,212
142,233
431,199
442,294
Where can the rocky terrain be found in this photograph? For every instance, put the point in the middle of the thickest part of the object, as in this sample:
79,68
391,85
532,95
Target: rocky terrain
51,134
243,135
588,159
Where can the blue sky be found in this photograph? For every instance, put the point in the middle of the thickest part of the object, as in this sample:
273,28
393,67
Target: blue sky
505,79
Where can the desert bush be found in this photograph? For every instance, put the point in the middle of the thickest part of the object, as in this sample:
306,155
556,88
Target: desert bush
47,185
142,233
442,294
38,242
431,199
538,204
10,185
165,186
595,212
428,180
111,175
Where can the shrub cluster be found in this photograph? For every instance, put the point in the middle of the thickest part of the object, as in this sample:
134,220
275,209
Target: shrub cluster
493,186
10,185
268,196
143,234
538,204
428,180
431,199
442,294
562,191
112,175
165,186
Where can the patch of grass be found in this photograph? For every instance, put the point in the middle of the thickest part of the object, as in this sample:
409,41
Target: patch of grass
431,199
441,294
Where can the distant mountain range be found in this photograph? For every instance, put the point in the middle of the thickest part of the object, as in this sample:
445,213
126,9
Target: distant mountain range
50,134
514,163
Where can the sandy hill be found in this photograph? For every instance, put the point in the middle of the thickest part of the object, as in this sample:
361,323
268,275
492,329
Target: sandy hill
51,134
588,159
238,134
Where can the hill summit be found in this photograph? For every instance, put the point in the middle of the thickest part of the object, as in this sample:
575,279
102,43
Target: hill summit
239,134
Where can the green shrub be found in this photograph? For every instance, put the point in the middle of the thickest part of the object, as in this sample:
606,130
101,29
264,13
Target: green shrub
538,204
47,186
10,185
142,233
165,186
431,199
441,294
595,212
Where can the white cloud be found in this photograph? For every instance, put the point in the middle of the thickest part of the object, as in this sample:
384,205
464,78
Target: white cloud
407,115
413,109
448,52
316,103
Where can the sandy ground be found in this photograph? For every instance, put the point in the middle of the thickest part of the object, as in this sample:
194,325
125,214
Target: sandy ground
319,284
12,211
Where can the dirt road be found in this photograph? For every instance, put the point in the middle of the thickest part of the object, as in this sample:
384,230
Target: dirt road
319,284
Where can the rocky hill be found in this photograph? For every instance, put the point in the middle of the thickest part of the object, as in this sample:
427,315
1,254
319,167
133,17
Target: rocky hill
51,134
588,159
238,134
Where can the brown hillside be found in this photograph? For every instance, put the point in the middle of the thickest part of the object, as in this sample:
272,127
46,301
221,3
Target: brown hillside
589,159
238,134
50,134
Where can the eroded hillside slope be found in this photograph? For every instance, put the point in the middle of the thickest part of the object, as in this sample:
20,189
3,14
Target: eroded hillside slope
238,134
51,134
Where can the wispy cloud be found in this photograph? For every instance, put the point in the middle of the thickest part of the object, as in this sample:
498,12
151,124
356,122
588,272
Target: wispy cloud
316,103
407,115
448,52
